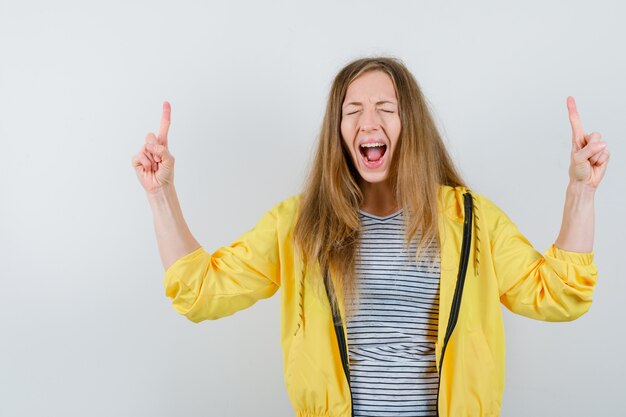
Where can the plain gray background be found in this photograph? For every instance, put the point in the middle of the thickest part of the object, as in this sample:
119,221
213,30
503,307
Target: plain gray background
85,327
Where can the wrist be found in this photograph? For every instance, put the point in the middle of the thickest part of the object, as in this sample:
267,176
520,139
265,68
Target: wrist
581,190
161,194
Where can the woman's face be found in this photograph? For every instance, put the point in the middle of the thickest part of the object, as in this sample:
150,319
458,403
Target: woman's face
370,124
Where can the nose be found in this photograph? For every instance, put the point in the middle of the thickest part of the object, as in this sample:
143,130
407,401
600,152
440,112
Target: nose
370,120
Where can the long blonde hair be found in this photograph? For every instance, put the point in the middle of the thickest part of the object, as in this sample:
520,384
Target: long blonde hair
328,227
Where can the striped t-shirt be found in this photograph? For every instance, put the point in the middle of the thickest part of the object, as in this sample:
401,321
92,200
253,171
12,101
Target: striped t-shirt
391,336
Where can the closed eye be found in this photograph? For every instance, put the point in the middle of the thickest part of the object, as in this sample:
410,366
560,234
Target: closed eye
356,111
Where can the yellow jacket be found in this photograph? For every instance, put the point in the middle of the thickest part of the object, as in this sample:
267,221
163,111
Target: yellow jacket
485,261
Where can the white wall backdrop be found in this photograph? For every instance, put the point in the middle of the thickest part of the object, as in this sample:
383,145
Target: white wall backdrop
85,327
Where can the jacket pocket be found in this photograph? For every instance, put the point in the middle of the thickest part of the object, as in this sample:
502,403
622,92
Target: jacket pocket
481,351
481,375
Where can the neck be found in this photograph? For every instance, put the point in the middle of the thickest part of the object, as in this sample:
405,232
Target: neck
378,199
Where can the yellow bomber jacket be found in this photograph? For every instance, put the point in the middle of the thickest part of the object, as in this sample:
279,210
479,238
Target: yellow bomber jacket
485,261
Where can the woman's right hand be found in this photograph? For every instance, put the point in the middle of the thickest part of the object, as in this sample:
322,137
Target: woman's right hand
154,165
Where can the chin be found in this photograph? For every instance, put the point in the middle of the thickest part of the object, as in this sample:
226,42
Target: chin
374,177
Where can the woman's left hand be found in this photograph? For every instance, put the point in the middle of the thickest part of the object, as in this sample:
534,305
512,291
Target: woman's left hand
590,156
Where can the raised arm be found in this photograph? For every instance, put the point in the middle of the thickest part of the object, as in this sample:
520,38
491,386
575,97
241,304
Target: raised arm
558,285
589,160
154,166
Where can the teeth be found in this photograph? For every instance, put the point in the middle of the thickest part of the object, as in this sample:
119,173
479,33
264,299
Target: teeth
372,145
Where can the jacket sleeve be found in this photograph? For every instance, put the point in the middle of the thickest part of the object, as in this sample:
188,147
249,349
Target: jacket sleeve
206,286
555,286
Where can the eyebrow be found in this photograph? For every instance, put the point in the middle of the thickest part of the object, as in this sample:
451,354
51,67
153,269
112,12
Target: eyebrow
358,103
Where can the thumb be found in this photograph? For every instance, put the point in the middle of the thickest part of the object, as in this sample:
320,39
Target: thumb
160,153
593,137
588,151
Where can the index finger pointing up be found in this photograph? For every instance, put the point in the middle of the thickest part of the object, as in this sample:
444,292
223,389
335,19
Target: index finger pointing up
578,133
165,124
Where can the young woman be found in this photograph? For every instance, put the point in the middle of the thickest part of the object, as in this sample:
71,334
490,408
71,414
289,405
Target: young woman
391,271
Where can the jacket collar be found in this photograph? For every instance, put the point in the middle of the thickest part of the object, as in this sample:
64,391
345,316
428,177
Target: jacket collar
450,202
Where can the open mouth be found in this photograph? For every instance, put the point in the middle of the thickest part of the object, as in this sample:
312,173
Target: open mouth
373,152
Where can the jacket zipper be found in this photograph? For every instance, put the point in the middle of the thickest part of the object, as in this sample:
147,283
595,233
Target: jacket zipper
460,282
454,311
341,340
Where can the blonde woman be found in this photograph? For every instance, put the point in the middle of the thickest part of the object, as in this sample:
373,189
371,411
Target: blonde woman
391,271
